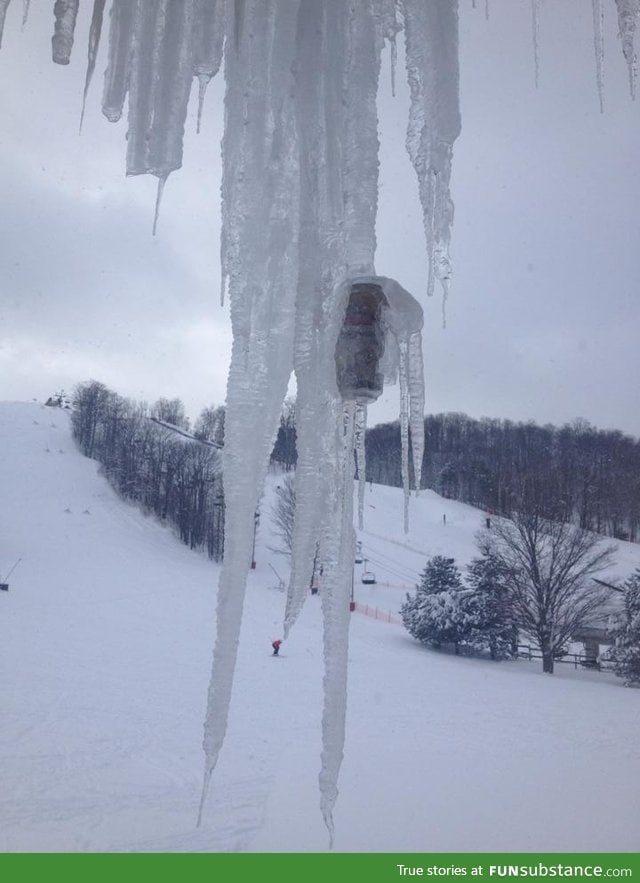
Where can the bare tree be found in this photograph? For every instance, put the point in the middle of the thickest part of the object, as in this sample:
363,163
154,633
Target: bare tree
170,411
548,567
210,424
283,513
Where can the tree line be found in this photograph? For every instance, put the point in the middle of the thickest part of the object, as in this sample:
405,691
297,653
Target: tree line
578,473
174,474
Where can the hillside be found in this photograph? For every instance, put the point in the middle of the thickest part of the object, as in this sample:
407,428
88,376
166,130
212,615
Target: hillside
105,644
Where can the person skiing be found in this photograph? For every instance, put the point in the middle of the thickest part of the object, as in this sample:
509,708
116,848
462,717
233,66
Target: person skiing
276,646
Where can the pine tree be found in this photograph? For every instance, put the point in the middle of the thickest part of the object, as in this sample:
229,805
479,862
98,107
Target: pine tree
626,653
440,612
495,628
440,575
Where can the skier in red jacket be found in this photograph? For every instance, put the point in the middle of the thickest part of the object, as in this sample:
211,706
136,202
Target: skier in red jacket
276,646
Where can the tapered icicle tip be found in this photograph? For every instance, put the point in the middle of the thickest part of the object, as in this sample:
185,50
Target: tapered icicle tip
205,791
327,815
25,14
203,82
162,180
84,107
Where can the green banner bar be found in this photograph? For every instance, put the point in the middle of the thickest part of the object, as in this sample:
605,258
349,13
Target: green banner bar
328,868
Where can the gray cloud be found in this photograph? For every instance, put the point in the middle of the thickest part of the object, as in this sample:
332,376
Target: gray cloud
544,309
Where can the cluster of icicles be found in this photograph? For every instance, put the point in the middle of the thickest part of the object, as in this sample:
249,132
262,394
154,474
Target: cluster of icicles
299,201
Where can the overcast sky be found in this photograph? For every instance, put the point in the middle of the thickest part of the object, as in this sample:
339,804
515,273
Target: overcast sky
544,315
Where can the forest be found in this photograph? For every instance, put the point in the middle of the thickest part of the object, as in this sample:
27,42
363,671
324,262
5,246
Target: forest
576,473
150,457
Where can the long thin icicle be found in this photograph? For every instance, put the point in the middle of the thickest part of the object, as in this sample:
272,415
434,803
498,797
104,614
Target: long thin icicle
162,180
598,45
431,33
415,382
4,5
535,32
211,18
65,12
404,427
361,459
25,13
94,43
628,11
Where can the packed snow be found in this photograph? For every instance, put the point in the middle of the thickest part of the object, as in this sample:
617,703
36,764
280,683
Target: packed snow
104,646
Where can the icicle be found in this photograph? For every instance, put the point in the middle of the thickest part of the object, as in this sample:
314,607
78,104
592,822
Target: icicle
415,383
65,12
628,11
25,13
94,42
361,143
394,64
211,18
162,180
340,46
535,30
116,77
260,199
161,76
4,5
486,9
203,82
404,428
361,459
598,44
321,51
431,32
338,551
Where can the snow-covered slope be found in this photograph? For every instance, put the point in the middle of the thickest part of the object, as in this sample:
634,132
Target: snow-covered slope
105,638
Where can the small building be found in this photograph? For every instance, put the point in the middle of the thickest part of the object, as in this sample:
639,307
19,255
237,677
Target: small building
600,630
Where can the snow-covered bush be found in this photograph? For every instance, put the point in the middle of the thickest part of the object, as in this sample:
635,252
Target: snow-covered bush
442,611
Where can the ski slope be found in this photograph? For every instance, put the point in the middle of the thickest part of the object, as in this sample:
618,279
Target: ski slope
105,644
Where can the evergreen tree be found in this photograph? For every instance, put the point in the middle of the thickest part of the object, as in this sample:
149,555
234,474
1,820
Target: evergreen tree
495,628
440,612
626,653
